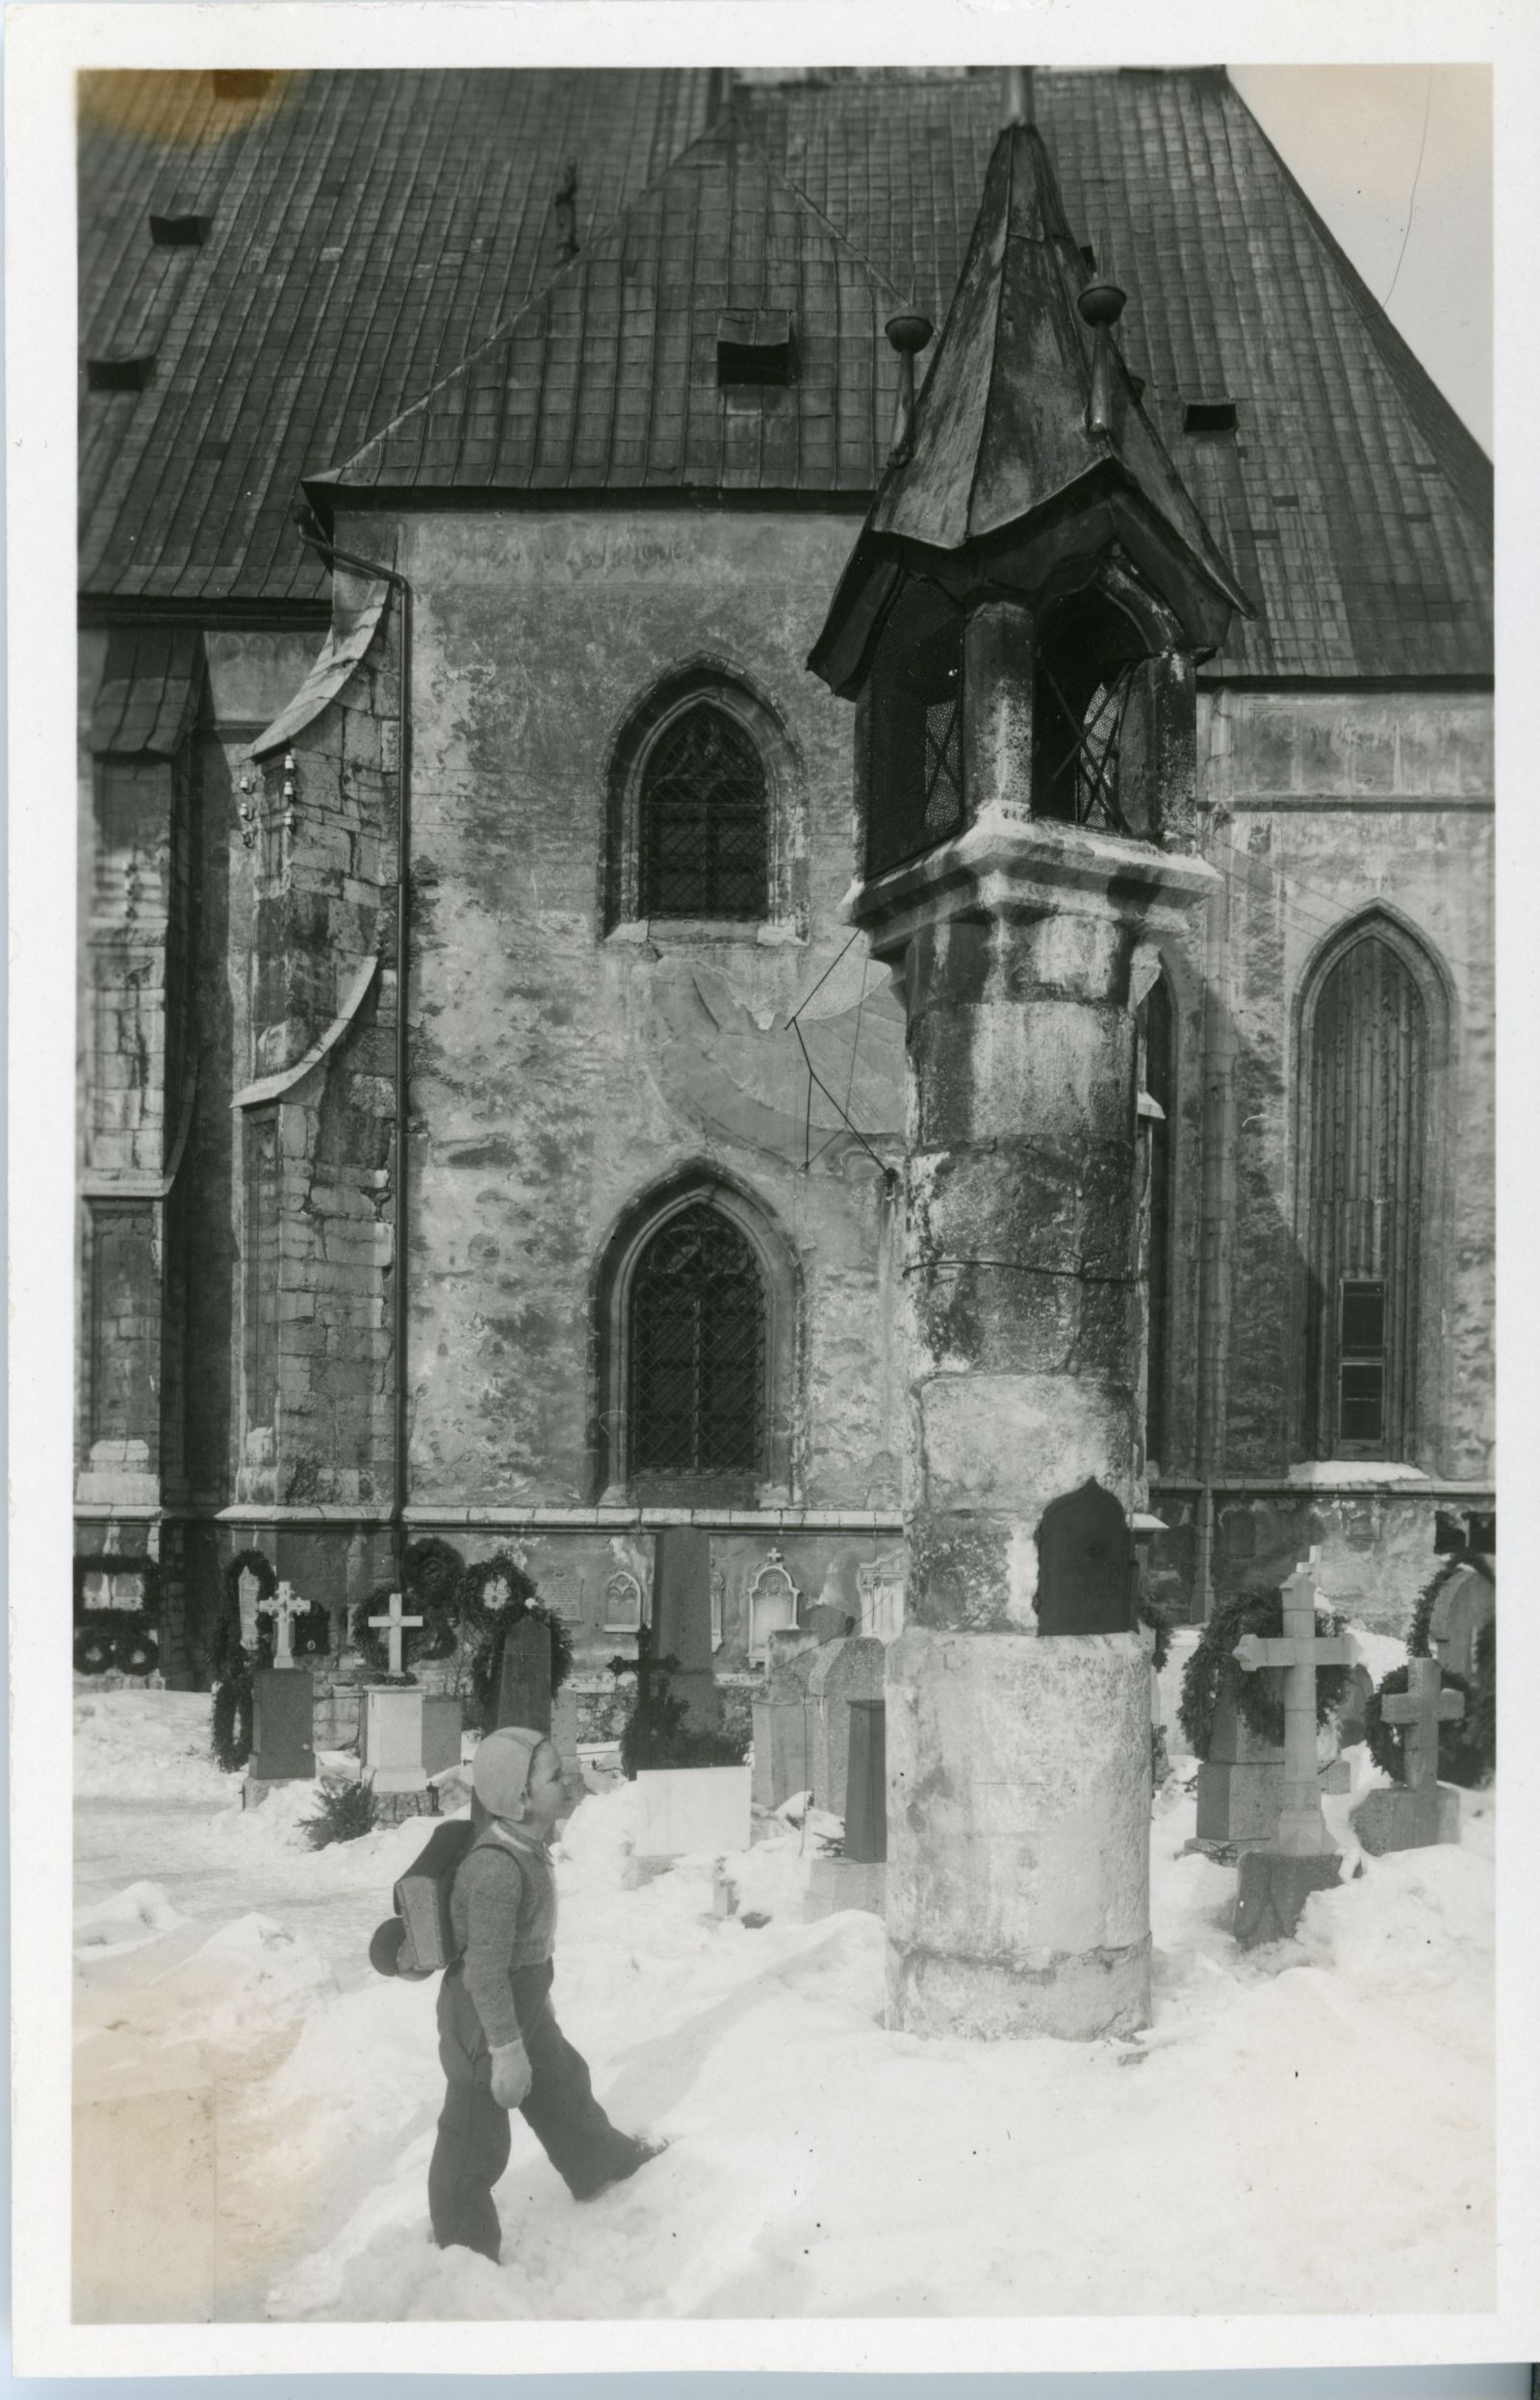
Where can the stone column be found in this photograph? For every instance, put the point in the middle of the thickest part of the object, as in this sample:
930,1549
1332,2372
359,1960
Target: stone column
1018,1761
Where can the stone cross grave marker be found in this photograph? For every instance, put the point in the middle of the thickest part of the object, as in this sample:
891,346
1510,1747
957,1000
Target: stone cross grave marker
1276,1882
283,1607
1421,1812
394,1625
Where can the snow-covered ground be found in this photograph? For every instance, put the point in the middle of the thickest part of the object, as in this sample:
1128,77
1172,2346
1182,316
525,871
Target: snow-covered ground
1306,2128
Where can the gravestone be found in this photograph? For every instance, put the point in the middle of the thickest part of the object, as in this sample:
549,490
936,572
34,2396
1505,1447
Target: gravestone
851,1669
866,1784
774,1604
283,1726
394,1624
1240,1784
1467,1603
681,1621
1085,1565
524,1680
780,1719
1275,1882
1421,1812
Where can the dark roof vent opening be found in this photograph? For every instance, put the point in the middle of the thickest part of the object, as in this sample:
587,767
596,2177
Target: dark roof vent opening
1087,251
756,346
1209,417
179,232
241,83
118,374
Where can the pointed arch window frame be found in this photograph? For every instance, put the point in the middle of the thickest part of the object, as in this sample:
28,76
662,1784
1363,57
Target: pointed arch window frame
720,684
1414,1431
614,1479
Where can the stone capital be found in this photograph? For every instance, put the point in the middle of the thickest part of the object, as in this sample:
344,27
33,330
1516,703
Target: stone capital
1011,865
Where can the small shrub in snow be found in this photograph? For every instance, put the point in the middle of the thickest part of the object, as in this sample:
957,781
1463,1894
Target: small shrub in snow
347,1811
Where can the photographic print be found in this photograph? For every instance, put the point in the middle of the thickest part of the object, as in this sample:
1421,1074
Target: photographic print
784,1509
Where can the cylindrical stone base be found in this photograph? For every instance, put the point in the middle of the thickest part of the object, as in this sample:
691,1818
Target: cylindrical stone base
1018,1800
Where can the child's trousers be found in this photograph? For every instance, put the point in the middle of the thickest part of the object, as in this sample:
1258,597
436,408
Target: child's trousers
475,2135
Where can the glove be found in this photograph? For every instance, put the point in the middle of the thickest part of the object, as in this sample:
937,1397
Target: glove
511,2077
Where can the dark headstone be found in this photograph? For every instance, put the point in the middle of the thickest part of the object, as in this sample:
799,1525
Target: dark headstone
1085,1566
523,1686
1274,1889
283,1726
681,1621
866,1783
827,1623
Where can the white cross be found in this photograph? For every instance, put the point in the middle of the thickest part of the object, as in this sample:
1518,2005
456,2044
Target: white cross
1419,1709
283,1607
395,1625
1298,1650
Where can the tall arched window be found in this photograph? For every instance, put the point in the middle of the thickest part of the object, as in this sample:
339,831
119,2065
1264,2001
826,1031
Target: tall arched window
1367,1053
696,1309
1158,1080
697,1350
705,820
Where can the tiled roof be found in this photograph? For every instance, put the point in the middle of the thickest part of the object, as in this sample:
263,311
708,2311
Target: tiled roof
369,231
1352,504
148,692
366,230
610,377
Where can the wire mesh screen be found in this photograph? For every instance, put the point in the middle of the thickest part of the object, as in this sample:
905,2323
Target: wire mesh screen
697,1350
917,780
705,832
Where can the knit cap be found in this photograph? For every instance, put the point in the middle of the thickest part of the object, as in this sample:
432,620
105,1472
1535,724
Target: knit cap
501,1775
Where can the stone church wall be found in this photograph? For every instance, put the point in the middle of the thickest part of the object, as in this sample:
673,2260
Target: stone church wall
562,1071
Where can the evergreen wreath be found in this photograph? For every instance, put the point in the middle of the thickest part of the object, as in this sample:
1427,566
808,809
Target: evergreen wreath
227,1656
488,1628
125,1638
432,1574
232,1723
1418,1640
1256,1695
1461,1756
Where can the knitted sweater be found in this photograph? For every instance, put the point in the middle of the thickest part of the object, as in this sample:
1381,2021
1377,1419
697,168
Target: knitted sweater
503,1912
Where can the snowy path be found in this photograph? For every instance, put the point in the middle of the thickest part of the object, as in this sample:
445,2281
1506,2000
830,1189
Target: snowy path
1250,2154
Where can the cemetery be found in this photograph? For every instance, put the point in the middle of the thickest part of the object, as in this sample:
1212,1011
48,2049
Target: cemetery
1028,1765
224,1987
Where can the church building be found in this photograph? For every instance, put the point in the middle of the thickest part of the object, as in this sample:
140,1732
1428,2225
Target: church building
497,488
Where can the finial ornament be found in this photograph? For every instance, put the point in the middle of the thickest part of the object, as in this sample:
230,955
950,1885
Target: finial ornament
908,333
1101,305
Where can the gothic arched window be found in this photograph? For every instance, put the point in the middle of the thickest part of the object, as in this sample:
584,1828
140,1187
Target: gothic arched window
704,830
1367,1055
696,1403
1157,1040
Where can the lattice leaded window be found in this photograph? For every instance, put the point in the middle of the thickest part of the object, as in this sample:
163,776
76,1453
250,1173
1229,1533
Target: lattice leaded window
1368,1119
705,820
697,1350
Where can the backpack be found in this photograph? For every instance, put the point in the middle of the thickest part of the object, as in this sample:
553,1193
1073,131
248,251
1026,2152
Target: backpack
418,1940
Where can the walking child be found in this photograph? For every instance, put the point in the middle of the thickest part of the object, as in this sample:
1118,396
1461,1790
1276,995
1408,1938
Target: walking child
499,2040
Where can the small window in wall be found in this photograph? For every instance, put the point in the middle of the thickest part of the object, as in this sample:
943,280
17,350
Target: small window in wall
917,785
705,820
1361,1364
